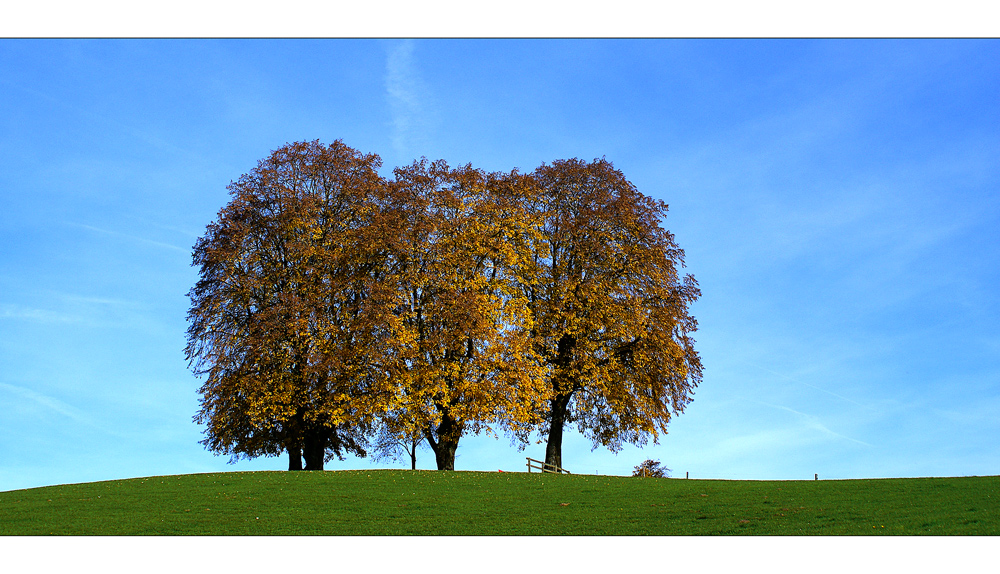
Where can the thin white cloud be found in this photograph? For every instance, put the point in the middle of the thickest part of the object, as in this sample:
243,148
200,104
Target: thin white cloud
37,315
146,137
814,423
808,385
182,231
405,93
880,213
761,441
132,237
728,456
71,298
53,404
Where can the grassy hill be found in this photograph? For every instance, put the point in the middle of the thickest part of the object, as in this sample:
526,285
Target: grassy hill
397,502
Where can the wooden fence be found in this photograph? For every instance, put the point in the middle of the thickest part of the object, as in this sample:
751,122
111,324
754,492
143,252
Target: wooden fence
542,467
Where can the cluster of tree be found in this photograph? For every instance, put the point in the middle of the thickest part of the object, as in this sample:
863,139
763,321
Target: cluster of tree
337,310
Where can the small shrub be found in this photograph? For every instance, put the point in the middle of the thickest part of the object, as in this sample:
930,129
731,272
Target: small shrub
651,468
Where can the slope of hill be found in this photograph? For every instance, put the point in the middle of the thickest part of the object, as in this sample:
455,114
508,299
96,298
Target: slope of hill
395,502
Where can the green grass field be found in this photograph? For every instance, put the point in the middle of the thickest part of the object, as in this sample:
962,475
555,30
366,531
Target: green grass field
398,502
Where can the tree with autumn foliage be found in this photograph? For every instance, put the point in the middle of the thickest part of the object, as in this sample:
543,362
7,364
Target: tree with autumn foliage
609,309
466,344
334,306
289,318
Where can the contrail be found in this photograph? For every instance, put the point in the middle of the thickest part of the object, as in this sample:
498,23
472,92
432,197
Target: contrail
814,423
808,385
132,237
55,405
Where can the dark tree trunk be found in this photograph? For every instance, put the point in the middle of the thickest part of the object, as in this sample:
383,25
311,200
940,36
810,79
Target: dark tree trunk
315,448
553,449
294,458
413,455
293,440
446,443
560,402
445,454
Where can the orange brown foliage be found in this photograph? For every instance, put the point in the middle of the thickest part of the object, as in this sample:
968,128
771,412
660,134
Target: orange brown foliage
333,305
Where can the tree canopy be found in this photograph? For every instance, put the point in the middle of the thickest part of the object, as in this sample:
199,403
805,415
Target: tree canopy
335,308
470,362
286,319
609,308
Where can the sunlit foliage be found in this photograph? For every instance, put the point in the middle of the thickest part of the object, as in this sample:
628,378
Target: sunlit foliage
610,309
286,318
469,359
335,307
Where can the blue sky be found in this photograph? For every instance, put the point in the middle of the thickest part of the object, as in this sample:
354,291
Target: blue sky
837,199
